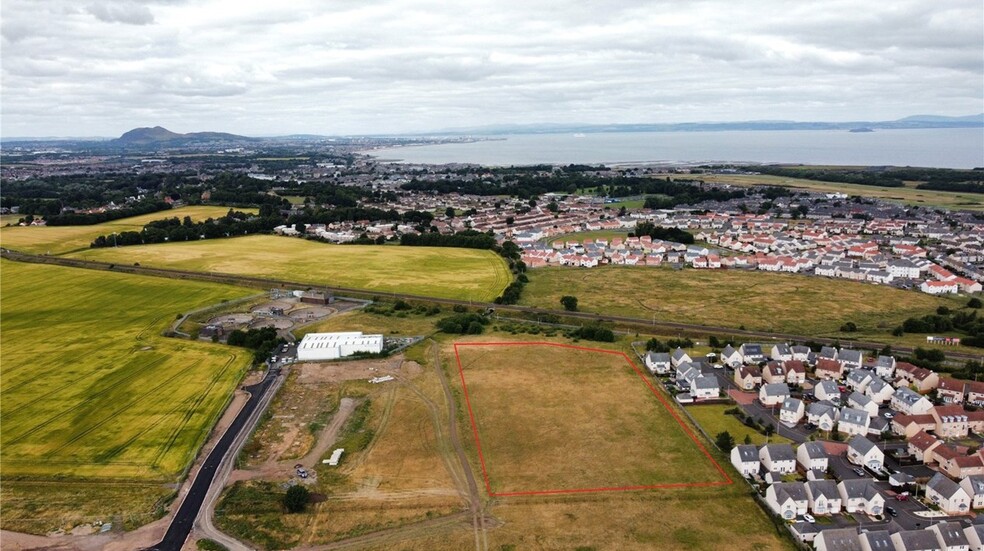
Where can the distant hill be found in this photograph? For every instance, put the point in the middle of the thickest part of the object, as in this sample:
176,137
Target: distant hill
159,135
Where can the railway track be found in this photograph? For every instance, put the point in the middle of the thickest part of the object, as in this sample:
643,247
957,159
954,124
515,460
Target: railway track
621,321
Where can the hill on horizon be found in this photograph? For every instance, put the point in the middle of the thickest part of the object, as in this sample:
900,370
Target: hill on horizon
159,135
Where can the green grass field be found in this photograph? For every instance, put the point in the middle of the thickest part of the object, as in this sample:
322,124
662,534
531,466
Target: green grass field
467,274
535,436
62,239
908,195
733,298
89,387
714,421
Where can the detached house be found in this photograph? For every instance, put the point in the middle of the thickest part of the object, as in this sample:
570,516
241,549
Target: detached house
787,499
658,363
746,460
974,486
923,379
951,421
824,499
801,353
950,535
773,394
778,458
885,367
679,356
747,377
830,370
704,387
822,414
909,425
781,353
751,353
879,391
772,372
838,539
858,380
948,495
812,456
792,411
731,357
905,400
862,451
975,393
857,400
795,372
861,495
827,390
850,359
915,540
921,446
853,421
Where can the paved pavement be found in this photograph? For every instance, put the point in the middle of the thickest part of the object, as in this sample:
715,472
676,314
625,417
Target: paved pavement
184,518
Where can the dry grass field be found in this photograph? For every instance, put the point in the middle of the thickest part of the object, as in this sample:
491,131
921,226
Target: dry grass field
92,394
732,298
467,274
536,437
63,239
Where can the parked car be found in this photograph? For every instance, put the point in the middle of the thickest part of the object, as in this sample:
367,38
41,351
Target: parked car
888,415
904,496
859,471
809,518
891,511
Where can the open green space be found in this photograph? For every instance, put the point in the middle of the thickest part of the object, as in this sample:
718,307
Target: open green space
467,274
733,298
908,195
535,437
62,239
94,397
580,237
713,419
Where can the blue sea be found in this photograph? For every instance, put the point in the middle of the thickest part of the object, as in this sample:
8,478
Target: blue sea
941,148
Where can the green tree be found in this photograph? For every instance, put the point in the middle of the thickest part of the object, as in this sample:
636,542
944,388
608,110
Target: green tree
974,303
569,302
296,498
748,439
449,212
725,441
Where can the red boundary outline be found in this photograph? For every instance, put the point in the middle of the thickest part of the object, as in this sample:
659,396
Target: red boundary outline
478,442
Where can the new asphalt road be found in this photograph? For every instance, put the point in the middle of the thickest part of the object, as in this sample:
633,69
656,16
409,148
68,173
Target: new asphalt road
184,519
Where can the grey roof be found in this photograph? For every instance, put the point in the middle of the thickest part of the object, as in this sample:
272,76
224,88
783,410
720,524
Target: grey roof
877,385
849,355
918,540
828,352
794,490
829,387
841,539
853,416
747,452
814,450
825,488
776,389
860,399
861,444
780,452
976,483
942,485
885,361
952,534
751,349
792,404
859,376
821,409
782,349
800,349
907,395
658,357
979,528
679,353
706,382
859,488
728,351
878,540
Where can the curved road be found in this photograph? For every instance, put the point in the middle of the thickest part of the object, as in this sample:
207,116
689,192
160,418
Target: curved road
184,518
625,321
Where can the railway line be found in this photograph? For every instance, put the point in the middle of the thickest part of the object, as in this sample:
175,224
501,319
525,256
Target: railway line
621,321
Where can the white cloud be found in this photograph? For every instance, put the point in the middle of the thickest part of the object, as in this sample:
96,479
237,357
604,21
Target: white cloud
256,67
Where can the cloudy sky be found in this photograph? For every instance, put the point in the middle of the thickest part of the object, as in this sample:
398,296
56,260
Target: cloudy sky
100,67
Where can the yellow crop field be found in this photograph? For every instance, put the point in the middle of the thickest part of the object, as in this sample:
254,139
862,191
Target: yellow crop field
467,274
62,239
92,393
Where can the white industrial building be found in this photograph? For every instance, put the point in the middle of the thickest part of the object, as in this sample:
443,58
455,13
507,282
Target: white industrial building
331,346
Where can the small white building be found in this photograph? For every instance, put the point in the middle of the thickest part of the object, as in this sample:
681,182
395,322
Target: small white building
787,499
864,452
331,346
948,495
778,458
745,458
812,456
